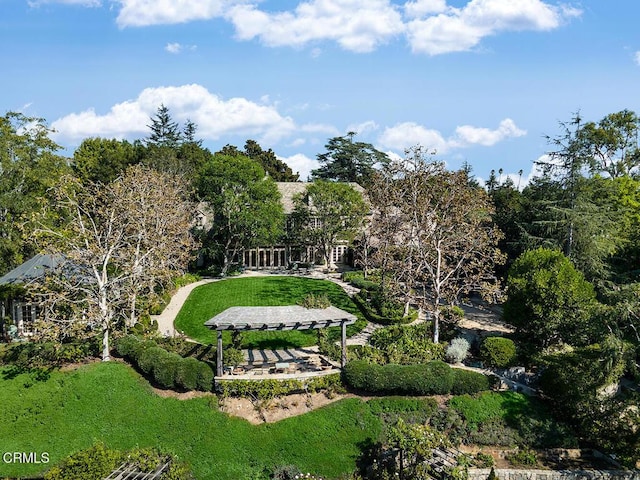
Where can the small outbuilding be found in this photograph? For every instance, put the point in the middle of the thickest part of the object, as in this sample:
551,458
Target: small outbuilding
292,317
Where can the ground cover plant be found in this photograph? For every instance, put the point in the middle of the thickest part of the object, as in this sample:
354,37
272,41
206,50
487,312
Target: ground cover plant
504,418
109,402
210,299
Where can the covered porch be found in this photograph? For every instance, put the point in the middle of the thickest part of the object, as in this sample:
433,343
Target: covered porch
291,317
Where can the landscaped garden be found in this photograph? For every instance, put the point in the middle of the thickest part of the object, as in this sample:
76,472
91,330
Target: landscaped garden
65,412
211,299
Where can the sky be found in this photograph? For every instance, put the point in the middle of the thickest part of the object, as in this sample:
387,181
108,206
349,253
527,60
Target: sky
481,81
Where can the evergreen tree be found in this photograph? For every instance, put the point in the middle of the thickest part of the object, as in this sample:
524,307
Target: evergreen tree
348,161
164,131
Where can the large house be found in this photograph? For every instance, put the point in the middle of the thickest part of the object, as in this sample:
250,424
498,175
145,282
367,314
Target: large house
283,254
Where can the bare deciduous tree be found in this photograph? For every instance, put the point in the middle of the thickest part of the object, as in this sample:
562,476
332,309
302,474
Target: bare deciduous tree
117,241
436,238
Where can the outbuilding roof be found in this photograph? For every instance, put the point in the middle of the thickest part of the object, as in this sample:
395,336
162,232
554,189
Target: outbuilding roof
33,268
292,317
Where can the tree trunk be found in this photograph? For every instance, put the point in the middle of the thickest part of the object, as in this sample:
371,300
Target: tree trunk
436,325
105,344
132,314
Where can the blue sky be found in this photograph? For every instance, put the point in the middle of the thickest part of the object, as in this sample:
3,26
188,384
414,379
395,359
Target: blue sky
480,81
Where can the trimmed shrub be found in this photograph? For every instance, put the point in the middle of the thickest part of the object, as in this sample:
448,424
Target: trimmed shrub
357,280
148,359
457,350
125,346
467,381
204,379
378,310
165,369
498,352
187,374
37,355
433,378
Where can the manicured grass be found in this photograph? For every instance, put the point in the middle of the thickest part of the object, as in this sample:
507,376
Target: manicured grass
208,300
110,402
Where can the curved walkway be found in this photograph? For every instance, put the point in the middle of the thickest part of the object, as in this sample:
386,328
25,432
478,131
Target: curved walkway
167,317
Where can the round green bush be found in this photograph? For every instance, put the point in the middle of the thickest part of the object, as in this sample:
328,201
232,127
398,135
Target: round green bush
148,358
498,352
165,369
125,346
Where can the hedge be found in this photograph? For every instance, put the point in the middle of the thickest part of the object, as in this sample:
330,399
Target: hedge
467,381
360,299
357,280
433,378
167,369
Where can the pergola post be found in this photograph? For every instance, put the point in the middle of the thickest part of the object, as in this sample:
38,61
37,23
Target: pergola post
219,365
343,359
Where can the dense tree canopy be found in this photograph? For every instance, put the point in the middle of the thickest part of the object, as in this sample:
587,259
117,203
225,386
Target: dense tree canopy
246,207
29,167
327,213
277,169
348,161
103,160
549,301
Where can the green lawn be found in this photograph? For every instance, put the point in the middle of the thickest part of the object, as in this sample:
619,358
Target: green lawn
110,402
208,300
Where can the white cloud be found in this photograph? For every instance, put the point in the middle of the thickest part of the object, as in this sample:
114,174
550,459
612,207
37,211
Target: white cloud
430,26
469,135
357,25
214,116
408,134
174,48
637,57
460,29
420,8
301,163
140,13
363,128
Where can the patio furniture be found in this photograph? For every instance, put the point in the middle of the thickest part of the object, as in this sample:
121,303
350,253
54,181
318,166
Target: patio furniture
281,367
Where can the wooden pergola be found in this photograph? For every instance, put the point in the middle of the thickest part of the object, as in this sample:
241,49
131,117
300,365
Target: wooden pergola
292,317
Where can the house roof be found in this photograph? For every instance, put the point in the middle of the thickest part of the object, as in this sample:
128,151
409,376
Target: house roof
33,268
292,317
289,189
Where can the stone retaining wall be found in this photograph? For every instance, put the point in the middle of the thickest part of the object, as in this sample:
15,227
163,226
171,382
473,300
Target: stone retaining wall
512,474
